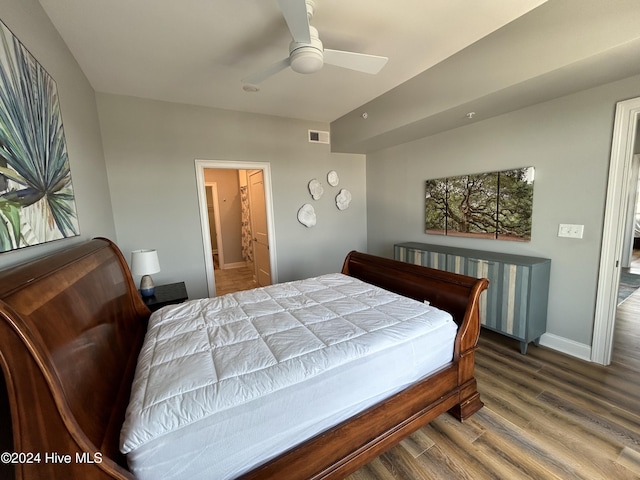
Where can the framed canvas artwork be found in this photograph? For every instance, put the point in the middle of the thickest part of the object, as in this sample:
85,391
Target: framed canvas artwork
495,205
37,203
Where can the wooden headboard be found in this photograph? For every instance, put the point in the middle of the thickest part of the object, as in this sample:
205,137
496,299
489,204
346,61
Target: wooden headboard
82,321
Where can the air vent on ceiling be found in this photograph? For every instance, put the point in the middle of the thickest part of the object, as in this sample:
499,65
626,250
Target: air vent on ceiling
316,136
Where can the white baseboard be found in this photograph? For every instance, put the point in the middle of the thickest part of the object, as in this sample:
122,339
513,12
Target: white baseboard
564,345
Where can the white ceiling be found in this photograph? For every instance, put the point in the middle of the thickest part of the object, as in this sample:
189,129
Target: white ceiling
197,51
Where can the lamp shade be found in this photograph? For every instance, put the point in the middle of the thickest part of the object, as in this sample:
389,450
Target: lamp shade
144,262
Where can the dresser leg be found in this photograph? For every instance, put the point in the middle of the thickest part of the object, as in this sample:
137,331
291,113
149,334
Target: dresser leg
523,347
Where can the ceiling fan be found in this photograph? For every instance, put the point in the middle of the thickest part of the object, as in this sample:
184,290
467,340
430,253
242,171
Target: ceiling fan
306,53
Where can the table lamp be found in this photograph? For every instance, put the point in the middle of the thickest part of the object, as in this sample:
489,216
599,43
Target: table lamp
145,262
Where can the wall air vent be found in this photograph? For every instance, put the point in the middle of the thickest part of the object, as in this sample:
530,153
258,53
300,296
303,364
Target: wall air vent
316,136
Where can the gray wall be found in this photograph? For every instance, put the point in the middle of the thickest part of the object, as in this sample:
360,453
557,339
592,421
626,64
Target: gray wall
150,149
29,23
567,140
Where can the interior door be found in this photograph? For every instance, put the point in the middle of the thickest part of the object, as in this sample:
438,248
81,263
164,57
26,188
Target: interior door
215,232
257,206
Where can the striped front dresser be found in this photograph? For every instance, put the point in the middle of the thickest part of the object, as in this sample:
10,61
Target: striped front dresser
515,304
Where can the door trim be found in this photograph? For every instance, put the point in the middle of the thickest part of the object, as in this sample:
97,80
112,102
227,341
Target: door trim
624,133
200,166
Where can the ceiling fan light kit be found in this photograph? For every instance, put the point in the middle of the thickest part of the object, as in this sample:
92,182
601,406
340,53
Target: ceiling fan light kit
306,52
306,61
306,57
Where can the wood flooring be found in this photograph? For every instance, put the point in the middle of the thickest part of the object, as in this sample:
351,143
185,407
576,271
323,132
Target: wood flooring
546,416
233,280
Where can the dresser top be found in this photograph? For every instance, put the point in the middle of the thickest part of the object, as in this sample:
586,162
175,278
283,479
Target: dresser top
480,254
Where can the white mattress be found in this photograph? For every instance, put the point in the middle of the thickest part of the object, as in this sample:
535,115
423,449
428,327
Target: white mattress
224,384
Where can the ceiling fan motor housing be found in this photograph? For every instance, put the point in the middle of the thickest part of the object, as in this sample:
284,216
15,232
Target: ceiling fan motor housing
306,52
307,57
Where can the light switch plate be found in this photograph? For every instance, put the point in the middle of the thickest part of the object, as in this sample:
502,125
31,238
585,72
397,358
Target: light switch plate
570,230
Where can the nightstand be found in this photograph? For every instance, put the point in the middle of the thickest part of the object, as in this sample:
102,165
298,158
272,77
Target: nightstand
168,294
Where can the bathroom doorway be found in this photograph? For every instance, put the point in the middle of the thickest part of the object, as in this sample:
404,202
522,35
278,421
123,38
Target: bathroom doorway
241,238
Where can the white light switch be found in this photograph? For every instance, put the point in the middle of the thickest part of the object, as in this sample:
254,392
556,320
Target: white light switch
570,231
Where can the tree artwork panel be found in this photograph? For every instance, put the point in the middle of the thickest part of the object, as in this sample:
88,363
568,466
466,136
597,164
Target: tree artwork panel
37,203
494,205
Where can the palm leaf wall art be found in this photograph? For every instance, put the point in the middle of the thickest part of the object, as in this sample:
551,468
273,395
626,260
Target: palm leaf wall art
37,203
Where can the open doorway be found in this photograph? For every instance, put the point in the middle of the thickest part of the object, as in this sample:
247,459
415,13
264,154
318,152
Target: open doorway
239,241
630,271
620,183
631,245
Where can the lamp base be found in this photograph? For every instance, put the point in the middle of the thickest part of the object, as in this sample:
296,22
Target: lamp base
147,288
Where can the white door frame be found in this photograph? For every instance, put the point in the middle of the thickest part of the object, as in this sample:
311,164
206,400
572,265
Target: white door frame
200,166
624,133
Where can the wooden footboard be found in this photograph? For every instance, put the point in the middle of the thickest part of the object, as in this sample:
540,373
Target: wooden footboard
343,449
457,294
71,328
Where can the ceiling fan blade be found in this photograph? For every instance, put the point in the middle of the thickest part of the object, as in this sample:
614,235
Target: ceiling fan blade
295,14
262,75
355,61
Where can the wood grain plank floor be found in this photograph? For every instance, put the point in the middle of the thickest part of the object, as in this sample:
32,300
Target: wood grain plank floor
546,416
233,280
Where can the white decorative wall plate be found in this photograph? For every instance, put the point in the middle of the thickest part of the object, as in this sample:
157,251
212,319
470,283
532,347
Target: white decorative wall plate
307,215
315,188
332,178
343,199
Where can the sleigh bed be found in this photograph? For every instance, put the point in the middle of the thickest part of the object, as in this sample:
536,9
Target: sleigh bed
72,329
